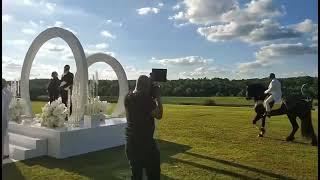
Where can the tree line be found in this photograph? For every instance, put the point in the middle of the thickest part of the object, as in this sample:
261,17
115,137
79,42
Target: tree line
202,87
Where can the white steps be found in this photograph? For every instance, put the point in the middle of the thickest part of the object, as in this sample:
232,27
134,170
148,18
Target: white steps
23,147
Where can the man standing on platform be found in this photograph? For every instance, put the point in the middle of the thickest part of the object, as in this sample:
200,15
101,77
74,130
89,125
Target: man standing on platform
66,86
53,87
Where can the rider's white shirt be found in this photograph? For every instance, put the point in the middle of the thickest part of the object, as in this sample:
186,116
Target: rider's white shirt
275,89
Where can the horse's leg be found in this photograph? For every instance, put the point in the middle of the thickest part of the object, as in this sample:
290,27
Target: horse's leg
295,126
306,119
262,129
256,118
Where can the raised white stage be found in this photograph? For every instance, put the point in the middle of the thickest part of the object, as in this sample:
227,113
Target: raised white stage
28,141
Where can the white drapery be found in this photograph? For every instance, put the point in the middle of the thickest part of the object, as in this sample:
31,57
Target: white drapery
6,99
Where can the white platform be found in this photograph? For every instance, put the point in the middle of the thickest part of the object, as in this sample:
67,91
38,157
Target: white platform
63,142
23,147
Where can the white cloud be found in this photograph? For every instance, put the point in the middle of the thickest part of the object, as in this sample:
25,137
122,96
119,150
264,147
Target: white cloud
160,4
176,7
43,6
51,6
226,31
204,71
89,52
253,32
16,42
28,2
12,69
280,50
36,25
29,31
226,20
204,11
269,30
61,25
186,61
305,26
179,16
6,18
102,46
55,47
107,34
148,10
111,22
58,24
133,73
253,11
270,54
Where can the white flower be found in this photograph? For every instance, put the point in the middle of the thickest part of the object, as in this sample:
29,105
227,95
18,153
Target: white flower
54,114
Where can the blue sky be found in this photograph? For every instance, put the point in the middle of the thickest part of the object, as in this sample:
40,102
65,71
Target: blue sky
191,38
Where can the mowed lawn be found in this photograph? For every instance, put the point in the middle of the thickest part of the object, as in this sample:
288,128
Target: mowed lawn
196,142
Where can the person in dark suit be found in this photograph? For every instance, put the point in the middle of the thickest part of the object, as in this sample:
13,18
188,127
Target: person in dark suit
66,86
141,148
53,87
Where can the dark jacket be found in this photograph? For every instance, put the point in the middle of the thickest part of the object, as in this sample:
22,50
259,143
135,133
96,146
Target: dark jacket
53,88
140,125
68,78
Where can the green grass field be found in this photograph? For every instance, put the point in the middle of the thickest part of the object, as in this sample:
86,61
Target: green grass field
196,142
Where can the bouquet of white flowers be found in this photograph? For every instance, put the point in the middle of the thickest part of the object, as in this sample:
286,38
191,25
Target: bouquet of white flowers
95,106
54,114
17,108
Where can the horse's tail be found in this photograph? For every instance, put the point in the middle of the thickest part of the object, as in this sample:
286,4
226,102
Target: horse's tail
306,125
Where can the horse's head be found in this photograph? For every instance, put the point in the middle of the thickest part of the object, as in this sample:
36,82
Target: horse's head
255,91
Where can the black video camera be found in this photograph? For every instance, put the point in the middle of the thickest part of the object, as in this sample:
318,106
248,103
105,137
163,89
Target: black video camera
157,75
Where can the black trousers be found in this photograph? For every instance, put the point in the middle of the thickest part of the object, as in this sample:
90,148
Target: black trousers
140,159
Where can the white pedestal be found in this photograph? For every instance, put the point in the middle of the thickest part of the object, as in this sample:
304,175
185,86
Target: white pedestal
93,120
63,143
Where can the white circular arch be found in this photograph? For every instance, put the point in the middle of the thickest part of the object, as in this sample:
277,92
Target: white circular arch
79,56
121,75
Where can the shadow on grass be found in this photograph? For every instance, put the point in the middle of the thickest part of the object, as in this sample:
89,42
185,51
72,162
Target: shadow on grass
106,164
253,169
294,142
12,171
112,164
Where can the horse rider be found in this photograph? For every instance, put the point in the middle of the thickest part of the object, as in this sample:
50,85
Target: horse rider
275,90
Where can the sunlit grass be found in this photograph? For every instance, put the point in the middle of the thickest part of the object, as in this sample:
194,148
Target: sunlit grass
196,142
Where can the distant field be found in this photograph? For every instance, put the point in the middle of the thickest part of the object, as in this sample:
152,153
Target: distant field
202,100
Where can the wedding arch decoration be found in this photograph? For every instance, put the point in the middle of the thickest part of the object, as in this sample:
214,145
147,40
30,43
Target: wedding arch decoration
121,75
81,64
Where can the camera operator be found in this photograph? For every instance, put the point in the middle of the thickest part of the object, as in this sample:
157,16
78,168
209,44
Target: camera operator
142,106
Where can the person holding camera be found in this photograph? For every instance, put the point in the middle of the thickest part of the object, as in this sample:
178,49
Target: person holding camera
142,106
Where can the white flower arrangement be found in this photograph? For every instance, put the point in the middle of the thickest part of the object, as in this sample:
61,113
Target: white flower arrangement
95,106
53,115
17,108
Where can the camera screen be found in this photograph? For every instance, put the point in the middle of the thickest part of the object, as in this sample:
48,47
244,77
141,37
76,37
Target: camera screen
159,75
